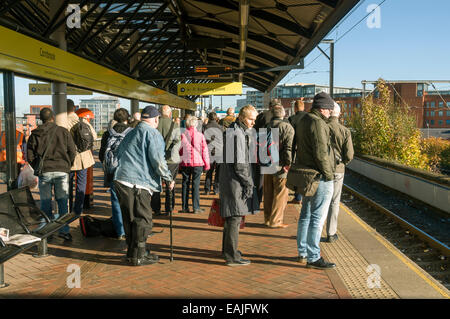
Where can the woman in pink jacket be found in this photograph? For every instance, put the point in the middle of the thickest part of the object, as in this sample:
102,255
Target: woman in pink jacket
194,160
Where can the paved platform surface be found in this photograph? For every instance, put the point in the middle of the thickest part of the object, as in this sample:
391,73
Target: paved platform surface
198,270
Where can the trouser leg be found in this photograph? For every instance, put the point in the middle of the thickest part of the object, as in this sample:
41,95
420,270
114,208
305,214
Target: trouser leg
197,173
268,197
230,238
170,194
156,202
80,191
333,212
142,222
185,172
126,202
279,202
116,213
208,179
216,178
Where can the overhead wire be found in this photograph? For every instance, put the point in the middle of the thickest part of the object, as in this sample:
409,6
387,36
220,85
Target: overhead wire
348,31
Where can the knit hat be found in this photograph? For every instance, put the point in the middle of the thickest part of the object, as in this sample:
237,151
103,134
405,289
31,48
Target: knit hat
323,101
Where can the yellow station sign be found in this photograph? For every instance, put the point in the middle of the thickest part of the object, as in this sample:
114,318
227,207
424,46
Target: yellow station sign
46,89
216,88
25,55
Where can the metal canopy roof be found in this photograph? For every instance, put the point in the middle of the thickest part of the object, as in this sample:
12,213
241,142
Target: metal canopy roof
159,42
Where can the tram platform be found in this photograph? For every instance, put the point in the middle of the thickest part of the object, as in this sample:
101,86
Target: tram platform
368,267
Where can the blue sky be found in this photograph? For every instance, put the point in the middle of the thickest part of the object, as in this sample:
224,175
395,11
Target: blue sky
412,43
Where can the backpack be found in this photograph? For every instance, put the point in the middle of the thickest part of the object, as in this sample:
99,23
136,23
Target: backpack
82,136
268,148
110,161
94,227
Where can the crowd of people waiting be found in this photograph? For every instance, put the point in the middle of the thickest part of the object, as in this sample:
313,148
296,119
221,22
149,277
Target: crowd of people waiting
143,154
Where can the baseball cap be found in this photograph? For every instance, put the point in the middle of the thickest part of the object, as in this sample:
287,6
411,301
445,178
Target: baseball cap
149,112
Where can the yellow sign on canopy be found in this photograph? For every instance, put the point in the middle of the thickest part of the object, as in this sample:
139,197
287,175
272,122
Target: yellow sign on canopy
216,88
46,89
25,55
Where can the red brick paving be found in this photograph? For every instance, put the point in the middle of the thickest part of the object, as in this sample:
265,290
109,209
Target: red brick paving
198,270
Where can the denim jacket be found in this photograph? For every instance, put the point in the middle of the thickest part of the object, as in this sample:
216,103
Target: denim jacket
141,158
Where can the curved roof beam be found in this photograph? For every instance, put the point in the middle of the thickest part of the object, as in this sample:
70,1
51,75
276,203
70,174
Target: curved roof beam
265,15
235,31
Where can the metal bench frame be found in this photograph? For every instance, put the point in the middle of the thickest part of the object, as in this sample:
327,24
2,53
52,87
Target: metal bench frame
44,232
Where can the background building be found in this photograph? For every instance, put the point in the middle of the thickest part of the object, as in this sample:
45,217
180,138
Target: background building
288,93
430,107
103,108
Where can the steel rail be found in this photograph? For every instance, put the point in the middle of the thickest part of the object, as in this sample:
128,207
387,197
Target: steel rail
433,242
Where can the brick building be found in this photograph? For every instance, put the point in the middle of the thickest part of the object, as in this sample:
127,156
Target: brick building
430,107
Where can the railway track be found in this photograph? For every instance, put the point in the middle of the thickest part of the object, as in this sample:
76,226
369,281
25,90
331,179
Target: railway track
428,252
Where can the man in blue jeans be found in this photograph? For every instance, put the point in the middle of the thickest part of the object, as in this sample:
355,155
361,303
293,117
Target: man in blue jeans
58,159
316,164
111,140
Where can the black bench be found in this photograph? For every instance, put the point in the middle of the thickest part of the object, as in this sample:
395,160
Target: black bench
19,214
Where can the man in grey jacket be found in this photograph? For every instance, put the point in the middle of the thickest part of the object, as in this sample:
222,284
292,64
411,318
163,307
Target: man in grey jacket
236,185
170,132
341,140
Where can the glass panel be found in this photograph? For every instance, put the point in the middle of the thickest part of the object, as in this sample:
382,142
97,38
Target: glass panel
3,187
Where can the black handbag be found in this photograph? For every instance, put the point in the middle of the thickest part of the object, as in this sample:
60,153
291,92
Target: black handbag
38,162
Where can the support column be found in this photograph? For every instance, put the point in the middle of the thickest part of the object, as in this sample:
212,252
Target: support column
10,129
332,69
59,89
266,100
134,105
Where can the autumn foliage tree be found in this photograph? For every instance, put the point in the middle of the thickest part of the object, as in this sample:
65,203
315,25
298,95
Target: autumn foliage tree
385,129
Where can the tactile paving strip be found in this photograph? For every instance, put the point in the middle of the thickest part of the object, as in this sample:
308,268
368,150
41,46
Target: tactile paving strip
352,269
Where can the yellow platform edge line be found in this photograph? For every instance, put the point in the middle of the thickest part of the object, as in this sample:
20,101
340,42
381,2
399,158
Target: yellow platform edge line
396,253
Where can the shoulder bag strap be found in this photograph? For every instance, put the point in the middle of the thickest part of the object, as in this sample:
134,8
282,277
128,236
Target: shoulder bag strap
166,140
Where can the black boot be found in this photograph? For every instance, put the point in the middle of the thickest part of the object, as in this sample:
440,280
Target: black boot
144,257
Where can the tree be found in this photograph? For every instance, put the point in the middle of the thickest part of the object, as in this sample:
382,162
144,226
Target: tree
385,129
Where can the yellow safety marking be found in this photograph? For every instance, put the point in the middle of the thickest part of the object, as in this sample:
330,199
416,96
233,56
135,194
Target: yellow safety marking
396,253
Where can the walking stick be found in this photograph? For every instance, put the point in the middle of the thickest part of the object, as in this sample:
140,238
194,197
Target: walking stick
169,198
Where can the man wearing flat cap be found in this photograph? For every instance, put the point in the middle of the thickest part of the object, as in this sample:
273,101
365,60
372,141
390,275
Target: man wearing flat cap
313,174
141,166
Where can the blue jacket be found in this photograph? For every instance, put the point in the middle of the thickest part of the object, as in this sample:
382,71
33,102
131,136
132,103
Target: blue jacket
141,158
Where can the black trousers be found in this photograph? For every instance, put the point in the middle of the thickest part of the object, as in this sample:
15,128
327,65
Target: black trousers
170,195
209,177
230,238
187,173
136,216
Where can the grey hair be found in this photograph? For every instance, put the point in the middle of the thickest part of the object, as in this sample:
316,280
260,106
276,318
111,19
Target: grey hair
191,121
336,111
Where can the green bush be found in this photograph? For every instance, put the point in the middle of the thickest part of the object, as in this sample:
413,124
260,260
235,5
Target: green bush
438,152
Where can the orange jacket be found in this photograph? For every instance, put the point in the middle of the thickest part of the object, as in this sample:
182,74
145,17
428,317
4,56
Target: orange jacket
19,140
